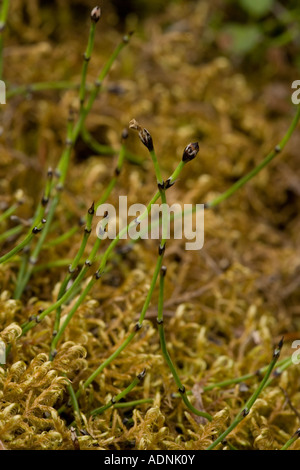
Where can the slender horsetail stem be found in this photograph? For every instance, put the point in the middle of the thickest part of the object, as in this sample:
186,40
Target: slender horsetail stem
101,149
11,232
291,441
43,86
65,159
10,211
161,192
74,265
73,399
246,409
95,17
281,366
160,324
63,164
31,324
120,396
38,222
57,332
113,403
134,403
242,181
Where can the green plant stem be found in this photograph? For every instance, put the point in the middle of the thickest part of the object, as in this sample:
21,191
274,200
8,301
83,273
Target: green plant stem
23,280
141,217
106,149
246,409
132,404
241,379
73,133
74,264
160,324
10,211
95,146
85,110
162,192
242,181
3,19
37,225
63,164
59,263
73,399
29,325
57,332
22,270
117,398
278,371
282,365
291,440
231,447
138,326
114,179
130,337
69,317
65,236
43,86
11,232
47,86
33,232
87,58
62,172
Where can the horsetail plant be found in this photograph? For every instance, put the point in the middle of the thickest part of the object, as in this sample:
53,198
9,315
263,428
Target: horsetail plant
189,153
146,139
291,441
113,402
161,330
62,167
104,259
247,408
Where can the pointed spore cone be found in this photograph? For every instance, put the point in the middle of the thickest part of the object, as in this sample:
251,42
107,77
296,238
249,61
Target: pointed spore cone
190,152
144,135
95,14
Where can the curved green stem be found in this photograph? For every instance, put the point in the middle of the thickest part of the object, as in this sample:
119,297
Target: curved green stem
63,164
10,211
242,181
291,440
160,323
11,232
246,409
117,398
43,86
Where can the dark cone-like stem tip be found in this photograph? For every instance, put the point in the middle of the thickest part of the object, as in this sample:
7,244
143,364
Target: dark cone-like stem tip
91,210
144,135
190,152
95,14
163,271
142,375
